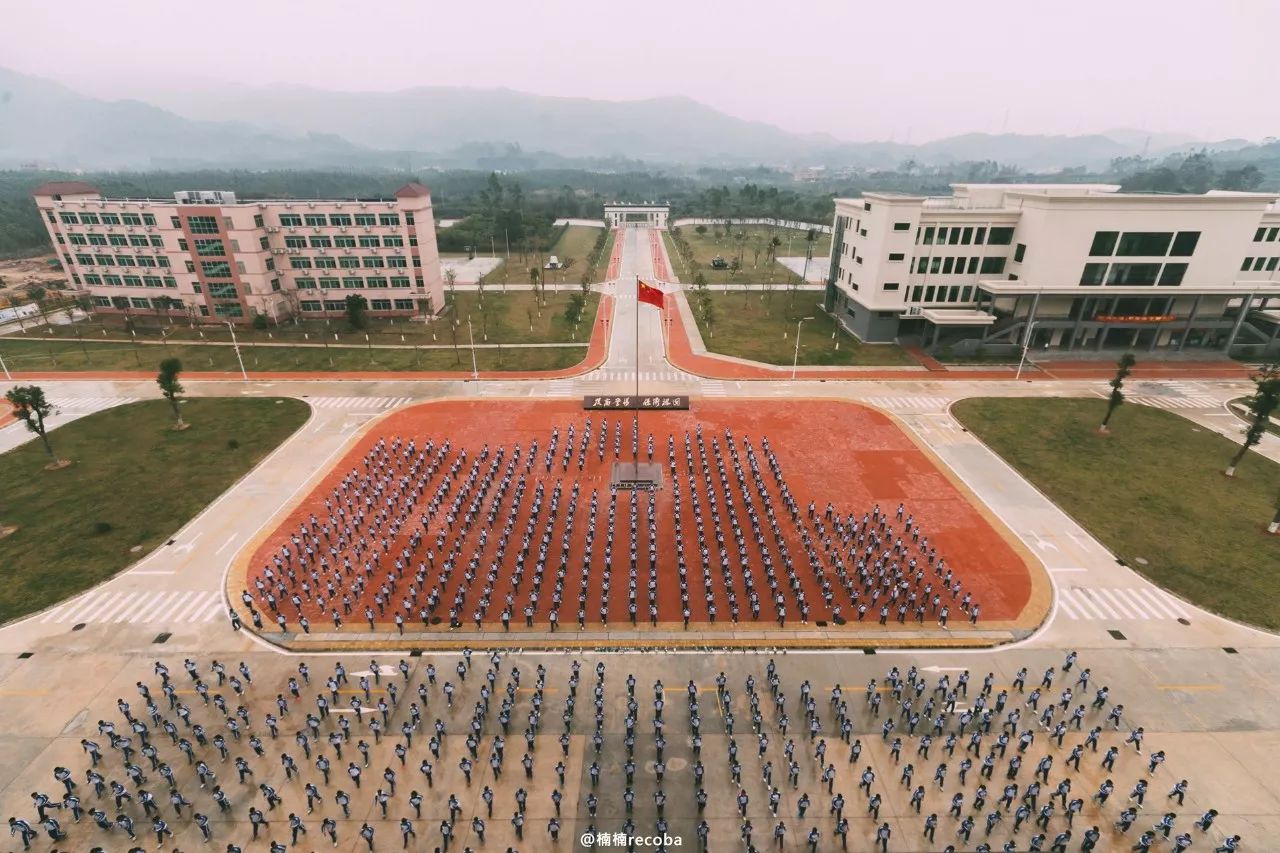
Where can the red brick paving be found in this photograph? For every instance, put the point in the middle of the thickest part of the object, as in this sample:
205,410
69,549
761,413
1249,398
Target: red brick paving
850,455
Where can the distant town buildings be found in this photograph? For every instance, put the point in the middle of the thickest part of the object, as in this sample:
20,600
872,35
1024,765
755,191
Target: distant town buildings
209,257
1065,266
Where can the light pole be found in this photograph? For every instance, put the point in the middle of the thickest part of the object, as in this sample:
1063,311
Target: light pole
796,361
1026,342
243,373
475,373
5,368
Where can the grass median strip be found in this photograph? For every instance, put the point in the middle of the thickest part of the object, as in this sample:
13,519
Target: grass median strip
1152,489
133,483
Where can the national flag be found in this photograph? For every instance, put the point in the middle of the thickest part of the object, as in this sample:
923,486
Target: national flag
650,294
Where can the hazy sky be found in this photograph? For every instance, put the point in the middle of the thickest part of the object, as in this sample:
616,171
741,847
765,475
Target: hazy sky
857,70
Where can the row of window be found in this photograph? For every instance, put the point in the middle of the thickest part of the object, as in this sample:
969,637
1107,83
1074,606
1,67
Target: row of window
993,265
1133,274
95,280
349,262
341,305
136,240
1144,244
1258,264
122,261
344,241
1268,235
937,293
964,235
342,220
352,282
103,218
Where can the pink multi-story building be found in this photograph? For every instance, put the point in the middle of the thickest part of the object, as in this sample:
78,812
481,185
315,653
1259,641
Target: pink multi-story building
206,255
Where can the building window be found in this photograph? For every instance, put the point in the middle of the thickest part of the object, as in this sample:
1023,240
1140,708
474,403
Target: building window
1258,263
1000,236
290,220
335,305
942,236
353,283
175,222
110,219
88,219
380,304
340,220
1133,274
393,241
935,265
224,309
866,205
370,241
1104,243
311,305
1144,243
326,263
132,219
928,236
366,219
321,243
973,266
306,283
928,293
404,304
349,263
372,262
946,265
1019,252
1272,233
226,290
202,224
922,265
215,269
891,285
992,266
140,302
1172,274
399,281
210,248
264,243
316,220
68,218
1271,264
295,242
902,226
148,219
157,241
1094,274
389,219
327,283
1259,235
896,256
1248,262
375,281
343,241
117,240
300,263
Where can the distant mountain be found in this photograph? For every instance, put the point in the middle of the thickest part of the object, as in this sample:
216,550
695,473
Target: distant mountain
52,125
47,123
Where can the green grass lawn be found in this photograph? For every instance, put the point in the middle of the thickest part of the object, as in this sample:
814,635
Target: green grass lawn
22,355
575,243
516,317
755,269
131,472
1153,489
762,327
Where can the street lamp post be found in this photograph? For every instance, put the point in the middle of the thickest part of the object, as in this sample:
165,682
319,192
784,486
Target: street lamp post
244,374
1026,343
796,360
475,373
5,368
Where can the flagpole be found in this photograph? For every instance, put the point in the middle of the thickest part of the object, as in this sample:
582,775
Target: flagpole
635,443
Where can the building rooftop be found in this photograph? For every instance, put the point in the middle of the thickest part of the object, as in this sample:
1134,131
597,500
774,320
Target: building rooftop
51,188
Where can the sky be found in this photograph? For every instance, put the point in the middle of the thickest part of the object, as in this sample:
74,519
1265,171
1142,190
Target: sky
910,72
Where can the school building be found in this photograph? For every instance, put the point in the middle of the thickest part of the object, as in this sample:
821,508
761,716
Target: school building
206,256
1061,266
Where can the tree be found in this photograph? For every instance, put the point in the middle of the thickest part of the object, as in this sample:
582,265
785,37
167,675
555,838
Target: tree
32,408
700,229
1275,519
573,312
357,305
709,315
170,387
1263,401
1123,368
451,283
565,265
535,278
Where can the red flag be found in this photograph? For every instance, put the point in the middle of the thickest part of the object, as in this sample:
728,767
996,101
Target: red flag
648,293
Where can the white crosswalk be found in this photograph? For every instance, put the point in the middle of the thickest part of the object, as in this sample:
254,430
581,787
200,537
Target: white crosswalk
613,375
84,405
159,606
359,404
1199,402
909,404
561,388
1110,603
713,388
